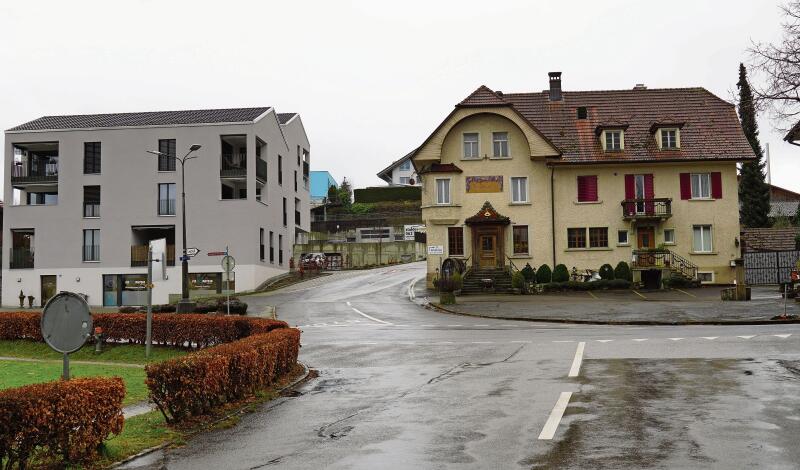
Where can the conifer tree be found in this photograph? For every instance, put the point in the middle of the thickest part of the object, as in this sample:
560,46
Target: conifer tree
753,189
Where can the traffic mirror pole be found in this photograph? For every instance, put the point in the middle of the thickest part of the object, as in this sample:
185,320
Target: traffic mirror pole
148,336
228,283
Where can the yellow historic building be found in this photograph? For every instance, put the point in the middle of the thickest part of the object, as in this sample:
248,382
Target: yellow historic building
584,178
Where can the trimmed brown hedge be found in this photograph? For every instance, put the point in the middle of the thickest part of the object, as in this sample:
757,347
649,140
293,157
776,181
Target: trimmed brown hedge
195,384
65,420
193,330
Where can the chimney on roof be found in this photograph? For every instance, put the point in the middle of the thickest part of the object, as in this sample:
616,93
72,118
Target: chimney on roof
640,86
555,86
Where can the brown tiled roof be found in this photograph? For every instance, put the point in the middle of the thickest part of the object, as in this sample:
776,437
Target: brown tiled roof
769,239
710,128
440,168
487,215
483,96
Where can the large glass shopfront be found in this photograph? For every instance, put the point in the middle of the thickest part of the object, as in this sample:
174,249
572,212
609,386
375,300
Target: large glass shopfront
124,289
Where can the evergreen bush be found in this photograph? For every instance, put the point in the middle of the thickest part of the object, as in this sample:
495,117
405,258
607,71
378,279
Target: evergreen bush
529,273
561,273
623,271
544,274
606,272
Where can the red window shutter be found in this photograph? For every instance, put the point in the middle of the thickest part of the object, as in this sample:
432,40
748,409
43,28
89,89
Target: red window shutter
716,185
686,186
591,187
649,190
630,187
581,189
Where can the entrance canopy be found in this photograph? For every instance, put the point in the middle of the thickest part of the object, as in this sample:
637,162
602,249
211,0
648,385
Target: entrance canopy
487,215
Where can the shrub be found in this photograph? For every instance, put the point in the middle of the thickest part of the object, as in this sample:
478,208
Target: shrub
517,280
388,193
529,273
623,271
193,385
190,330
561,274
606,272
679,281
544,274
581,286
65,420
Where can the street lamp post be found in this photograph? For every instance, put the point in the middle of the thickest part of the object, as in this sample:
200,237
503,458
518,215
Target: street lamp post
185,305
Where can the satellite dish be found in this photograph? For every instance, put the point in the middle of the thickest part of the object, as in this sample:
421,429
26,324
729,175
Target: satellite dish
66,322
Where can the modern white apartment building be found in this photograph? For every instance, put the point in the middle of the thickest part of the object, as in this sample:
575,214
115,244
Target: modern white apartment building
84,199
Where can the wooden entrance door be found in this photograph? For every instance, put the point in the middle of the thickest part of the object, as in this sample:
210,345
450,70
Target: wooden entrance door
487,253
646,237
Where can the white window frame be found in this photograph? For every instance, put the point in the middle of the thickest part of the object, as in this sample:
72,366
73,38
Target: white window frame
477,144
524,199
405,165
669,242
627,241
677,138
496,141
706,272
439,200
401,179
706,232
703,182
621,140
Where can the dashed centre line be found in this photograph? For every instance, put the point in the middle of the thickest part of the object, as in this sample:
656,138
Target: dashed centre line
554,419
576,362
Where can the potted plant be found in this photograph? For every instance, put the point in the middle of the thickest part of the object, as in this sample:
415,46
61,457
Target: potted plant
446,291
21,300
517,282
30,301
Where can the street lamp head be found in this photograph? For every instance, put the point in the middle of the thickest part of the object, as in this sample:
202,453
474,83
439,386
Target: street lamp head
155,152
194,147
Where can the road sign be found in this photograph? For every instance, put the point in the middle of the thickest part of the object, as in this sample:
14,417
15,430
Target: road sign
66,324
435,249
228,263
192,252
216,253
184,258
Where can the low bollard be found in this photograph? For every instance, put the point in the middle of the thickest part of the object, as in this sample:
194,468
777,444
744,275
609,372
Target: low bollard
98,339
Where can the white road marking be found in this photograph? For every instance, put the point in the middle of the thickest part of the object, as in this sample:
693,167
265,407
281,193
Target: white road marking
564,341
443,342
551,425
427,326
604,340
369,317
520,341
348,304
369,343
711,338
454,326
411,290
746,336
576,363
640,339
483,342
675,339
482,325
783,336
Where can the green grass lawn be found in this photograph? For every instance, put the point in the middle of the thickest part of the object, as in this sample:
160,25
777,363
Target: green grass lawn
18,373
130,353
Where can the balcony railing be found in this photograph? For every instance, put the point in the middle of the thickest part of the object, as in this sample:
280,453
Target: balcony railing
34,172
233,166
656,208
139,255
21,258
261,169
166,207
91,209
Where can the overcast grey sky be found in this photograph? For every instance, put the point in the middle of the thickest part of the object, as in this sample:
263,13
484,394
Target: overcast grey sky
370,79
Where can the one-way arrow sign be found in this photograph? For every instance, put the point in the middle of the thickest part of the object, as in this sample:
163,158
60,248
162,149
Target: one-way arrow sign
192,252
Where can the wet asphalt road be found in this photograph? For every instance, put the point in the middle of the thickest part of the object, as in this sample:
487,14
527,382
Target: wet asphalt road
401,386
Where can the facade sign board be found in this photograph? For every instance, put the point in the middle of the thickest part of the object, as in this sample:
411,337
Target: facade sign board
485,184
435,249
409,230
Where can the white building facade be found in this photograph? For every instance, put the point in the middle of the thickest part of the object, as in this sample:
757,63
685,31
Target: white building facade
85,199
400,173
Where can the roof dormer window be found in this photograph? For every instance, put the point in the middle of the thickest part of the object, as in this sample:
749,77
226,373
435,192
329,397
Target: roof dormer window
613,140
669,139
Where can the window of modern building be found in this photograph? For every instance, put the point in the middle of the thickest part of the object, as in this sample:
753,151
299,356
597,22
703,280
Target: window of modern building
500,144
471,145
613,140
280,169
701,185
285,214
443,191
622,237
576,237
406,165
669,236
702,239
587,188
44,198
280,249
261,244
166,158
295,180
598,237
669,138
455,241
299,156
91,158
520,239
271,247
91,245
297,211
519,189
166,199
404,180
91,201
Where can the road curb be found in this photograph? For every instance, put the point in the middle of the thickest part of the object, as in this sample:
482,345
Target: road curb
621,322
299,380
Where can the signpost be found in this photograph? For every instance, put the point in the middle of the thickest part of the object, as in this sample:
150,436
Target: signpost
192,252
228,263
435,249
66,324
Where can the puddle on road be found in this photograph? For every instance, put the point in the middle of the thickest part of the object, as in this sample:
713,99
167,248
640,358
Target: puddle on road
687,413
